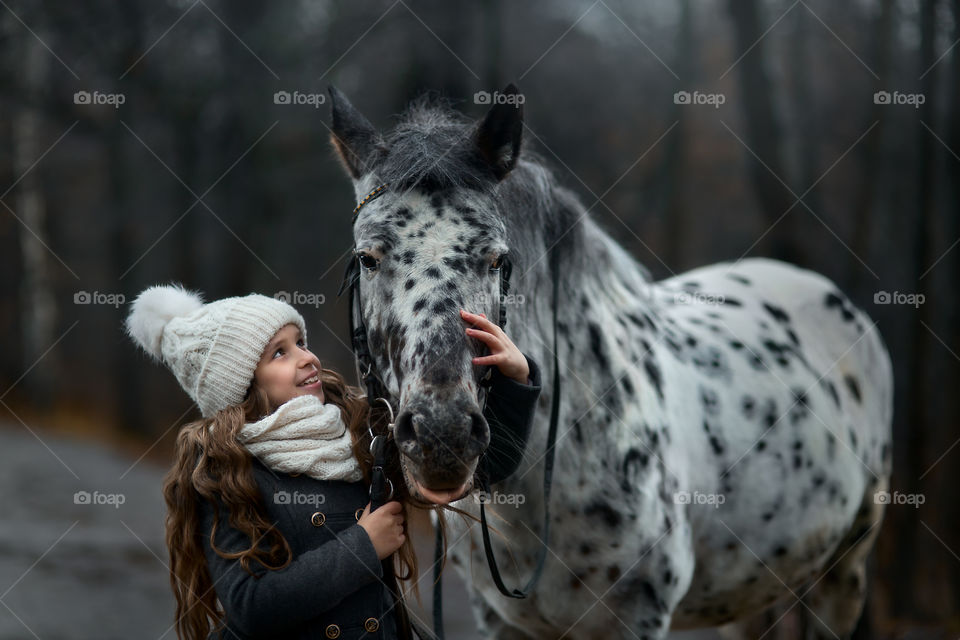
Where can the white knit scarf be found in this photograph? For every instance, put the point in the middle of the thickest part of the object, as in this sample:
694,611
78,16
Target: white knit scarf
306,436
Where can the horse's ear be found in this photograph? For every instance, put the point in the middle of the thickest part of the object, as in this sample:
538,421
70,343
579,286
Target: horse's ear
498,136
353,137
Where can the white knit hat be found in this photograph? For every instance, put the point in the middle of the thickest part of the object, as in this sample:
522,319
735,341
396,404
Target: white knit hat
212,349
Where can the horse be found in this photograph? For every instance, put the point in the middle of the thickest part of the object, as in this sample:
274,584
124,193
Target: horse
725,433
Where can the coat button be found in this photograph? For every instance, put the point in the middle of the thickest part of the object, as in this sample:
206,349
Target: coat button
318,519
333,631
371,624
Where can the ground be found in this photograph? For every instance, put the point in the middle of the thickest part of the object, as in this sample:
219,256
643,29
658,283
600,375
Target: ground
106,577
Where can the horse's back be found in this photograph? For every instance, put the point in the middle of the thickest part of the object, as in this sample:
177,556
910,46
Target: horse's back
837,340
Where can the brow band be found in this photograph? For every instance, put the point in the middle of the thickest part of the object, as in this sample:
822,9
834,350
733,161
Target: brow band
373,195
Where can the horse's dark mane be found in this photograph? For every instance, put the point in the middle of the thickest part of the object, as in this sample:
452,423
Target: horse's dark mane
429,149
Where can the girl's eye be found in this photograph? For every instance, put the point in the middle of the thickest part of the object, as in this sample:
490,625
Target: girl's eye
278,352
302,344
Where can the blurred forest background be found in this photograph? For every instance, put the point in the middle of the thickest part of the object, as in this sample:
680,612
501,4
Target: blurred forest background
146,142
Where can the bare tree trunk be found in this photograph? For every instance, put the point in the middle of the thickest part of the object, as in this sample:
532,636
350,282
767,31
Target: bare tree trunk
10,261
864,213
38,305
865,217
951,514
806,133
762,130
674,163
912,592
492,31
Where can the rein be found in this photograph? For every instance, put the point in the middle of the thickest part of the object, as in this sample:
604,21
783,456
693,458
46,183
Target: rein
376,391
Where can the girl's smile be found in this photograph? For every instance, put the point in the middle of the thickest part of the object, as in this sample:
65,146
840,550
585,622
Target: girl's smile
288,369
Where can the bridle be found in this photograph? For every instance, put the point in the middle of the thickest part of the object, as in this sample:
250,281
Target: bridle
377,392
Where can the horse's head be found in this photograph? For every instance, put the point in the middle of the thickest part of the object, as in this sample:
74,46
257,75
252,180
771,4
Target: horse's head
430,244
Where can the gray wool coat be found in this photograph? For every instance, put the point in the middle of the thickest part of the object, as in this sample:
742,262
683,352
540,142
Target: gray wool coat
333,586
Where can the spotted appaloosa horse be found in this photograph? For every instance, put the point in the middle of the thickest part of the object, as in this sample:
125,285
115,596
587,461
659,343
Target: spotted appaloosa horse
723,432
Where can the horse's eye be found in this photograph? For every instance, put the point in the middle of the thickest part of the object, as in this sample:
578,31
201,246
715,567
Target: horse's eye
367,261
497,263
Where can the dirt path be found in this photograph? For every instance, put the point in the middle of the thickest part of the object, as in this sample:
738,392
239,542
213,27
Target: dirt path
74,569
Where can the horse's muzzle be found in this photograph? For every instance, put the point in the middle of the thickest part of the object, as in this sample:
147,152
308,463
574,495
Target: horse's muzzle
441,440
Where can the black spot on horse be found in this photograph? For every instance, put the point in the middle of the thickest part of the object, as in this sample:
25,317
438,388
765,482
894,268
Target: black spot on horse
632,461
853,386
419,304
596,346
712,362
738,278
793,337
673,345
443,306
733,302
710,401
716,446
832,390
610,516
635,320
456,264
409,284
432,272
654,375
770,415
836,300
653,325
777,312
800,408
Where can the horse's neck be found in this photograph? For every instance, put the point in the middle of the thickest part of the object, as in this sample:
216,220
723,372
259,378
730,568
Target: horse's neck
597,282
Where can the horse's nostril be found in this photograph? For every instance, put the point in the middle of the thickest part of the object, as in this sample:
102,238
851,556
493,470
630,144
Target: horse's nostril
403,428
479,430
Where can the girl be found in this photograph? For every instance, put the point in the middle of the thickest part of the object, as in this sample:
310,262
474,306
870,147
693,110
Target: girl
266,496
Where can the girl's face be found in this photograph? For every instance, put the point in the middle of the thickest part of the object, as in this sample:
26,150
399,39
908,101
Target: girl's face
288,369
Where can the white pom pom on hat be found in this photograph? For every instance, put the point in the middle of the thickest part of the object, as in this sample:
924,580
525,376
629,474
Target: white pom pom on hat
213,349
154,309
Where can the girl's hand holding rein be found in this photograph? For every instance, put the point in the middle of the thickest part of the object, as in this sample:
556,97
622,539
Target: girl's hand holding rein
385,527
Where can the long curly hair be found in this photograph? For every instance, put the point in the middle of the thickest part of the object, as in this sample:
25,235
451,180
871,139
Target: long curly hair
212,464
